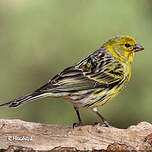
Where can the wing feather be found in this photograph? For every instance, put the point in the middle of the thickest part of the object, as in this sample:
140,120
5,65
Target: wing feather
98,70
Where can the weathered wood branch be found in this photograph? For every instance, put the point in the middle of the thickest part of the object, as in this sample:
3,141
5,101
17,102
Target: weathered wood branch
21,135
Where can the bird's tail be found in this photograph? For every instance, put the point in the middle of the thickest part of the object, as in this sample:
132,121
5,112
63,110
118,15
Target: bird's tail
23,99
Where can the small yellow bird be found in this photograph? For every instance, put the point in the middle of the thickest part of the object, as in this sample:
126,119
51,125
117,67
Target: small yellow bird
93,81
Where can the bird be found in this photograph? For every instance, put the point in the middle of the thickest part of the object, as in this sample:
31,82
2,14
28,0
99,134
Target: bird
93,81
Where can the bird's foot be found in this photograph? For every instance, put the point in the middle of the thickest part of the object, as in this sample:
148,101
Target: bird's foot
105,124
77,124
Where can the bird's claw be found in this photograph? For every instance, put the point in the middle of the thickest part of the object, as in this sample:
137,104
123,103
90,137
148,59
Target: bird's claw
77,124
105,124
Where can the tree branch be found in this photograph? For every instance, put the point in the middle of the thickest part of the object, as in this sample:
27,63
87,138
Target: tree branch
28,136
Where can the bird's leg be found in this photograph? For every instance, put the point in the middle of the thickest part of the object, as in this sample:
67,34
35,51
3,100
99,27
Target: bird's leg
78,115
101,117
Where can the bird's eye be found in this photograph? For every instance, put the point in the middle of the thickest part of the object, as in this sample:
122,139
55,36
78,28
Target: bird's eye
127,45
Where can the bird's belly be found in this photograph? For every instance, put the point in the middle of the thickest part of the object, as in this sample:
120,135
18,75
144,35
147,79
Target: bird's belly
111,93
95,97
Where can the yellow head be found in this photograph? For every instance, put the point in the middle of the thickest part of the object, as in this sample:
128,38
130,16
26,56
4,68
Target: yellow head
123,48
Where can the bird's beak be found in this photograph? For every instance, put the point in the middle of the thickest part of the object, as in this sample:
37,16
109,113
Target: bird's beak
138,48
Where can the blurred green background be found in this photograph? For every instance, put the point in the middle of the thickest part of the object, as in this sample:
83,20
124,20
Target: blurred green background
38,39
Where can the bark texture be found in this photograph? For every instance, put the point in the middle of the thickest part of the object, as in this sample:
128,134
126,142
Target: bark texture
18,135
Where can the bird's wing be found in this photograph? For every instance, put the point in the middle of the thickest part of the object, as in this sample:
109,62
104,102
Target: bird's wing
69,80
97,70
102,67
